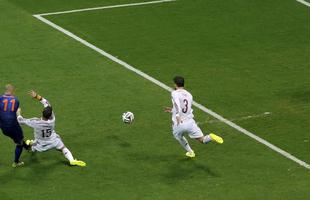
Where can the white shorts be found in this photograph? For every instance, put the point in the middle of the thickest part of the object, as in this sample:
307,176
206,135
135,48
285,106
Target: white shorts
190,127
44,145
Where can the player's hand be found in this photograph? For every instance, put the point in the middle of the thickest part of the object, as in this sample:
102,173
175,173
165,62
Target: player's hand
35,95
19,112
168,109
32,93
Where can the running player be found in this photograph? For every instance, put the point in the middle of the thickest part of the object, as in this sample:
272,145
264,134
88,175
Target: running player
45,137
9,105
183,118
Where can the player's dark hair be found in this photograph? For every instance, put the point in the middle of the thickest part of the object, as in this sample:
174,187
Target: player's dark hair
179,81
47,112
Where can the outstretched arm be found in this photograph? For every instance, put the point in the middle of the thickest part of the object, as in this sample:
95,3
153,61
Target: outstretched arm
35,95
23,121
42,100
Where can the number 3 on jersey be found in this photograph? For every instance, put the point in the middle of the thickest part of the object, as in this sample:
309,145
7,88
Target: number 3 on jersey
46,133
184,110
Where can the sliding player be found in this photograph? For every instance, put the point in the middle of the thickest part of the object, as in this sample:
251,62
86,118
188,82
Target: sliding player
45,136
183,118
8,123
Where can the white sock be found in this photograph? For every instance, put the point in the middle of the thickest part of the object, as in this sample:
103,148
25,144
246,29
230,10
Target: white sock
206,139
67,154
183,141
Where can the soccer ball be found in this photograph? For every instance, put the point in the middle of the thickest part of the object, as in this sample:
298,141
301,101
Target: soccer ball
128,117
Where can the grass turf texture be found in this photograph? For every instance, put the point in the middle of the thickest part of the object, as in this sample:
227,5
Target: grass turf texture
239,58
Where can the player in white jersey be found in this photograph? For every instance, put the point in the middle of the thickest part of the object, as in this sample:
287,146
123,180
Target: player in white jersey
183,118
45,137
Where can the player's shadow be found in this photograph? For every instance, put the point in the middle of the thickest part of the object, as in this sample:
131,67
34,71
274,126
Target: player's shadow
301,96
116,139
34,172
39,170
178,169
14,173
186,168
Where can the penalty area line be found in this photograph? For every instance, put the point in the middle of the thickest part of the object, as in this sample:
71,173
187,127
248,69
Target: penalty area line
106,7
167,88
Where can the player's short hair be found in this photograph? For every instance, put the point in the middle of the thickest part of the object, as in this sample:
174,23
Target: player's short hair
47,112
9,88
179,81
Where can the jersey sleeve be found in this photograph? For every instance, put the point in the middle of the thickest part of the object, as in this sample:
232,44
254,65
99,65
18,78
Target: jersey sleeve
16,104
176,103
45,102
29,122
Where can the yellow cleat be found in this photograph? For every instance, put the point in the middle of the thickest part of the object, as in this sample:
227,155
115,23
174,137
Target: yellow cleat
29,142
77,163
216,138
190,154
19,164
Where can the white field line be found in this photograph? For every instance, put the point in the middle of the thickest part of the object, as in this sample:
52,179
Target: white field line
304,2
164,86
214,121
106,7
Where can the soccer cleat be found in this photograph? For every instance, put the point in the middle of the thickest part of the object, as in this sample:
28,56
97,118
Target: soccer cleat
190,154
29,142
19,164
77,163
216,138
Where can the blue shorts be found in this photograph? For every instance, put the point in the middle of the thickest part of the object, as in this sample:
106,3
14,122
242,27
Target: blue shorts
15,133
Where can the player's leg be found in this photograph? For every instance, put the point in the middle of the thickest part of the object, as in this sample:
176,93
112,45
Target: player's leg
67,153
211,137
18,153
38,145
18,149
178,135
196,133
34,146
16,134
59,145
72,161
41,146
20,145
204,139
184,143
26,146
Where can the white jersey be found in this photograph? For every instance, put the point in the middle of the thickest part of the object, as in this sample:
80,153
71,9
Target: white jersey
43,129
182,105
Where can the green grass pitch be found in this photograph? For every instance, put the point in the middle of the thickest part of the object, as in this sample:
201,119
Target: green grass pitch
239,58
